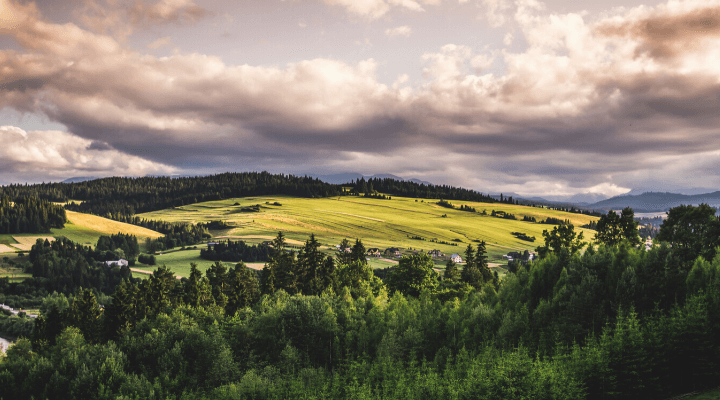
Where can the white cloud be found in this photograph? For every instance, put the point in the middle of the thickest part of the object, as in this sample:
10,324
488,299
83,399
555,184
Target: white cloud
374,9
61,154
404,30
508,39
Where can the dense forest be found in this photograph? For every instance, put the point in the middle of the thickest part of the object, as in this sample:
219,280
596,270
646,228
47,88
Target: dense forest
27,214
236,251
611,322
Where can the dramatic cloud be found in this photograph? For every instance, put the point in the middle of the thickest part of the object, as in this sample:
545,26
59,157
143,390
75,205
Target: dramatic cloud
404,30
57,154
590,105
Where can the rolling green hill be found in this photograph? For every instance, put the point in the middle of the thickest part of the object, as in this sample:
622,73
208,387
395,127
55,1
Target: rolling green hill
379,223
80,228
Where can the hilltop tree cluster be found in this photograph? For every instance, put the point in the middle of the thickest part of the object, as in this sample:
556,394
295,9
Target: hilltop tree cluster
29,215
236,251
418,190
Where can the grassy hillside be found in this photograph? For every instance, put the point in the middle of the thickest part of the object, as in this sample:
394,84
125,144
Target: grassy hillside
80,228
379,223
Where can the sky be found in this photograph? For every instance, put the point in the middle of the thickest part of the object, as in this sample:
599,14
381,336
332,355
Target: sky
537,98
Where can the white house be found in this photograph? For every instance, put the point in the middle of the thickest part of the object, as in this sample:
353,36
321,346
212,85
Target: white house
120,263
456,258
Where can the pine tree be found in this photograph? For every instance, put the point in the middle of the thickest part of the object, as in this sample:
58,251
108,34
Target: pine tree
192,287
451,271
242,289
119,314
84,313
358,252
217,277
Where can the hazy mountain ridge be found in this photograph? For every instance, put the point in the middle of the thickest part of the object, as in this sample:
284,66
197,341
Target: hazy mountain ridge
347,177
656,201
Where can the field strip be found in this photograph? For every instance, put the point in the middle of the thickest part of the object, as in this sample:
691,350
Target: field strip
255,266
142,271
352,215
31,239
290,241
6,249
394,208
24,247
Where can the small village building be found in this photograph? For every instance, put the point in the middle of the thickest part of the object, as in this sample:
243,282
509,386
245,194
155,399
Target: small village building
374,252
435,253
456,258
211,245
120,263
268,243
393,251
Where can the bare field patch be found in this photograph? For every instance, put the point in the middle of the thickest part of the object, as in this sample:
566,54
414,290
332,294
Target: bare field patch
25,240
6,249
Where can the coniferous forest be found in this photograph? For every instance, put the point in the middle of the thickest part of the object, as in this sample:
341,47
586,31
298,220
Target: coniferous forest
29,215
236,251
607,320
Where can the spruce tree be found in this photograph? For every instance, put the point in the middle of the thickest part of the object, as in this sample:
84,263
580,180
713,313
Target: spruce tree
358,252
242,289
451,272
119,315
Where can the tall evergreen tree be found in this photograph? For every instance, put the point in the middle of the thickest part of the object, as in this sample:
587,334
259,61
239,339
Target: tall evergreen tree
119,315
84,313
358,252
242,288
217,277
451,271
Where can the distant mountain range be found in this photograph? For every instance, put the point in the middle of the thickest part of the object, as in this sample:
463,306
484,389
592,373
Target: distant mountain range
337,179
78,179
656,201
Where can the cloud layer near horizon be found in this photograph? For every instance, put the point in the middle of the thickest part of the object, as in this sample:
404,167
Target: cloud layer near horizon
590,105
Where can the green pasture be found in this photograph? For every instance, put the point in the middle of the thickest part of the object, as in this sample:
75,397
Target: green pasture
379,223
178,261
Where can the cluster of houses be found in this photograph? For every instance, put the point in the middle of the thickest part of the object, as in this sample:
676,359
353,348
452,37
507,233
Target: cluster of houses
514,255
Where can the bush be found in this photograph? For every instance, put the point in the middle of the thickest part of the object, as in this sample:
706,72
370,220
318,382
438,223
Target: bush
147,259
